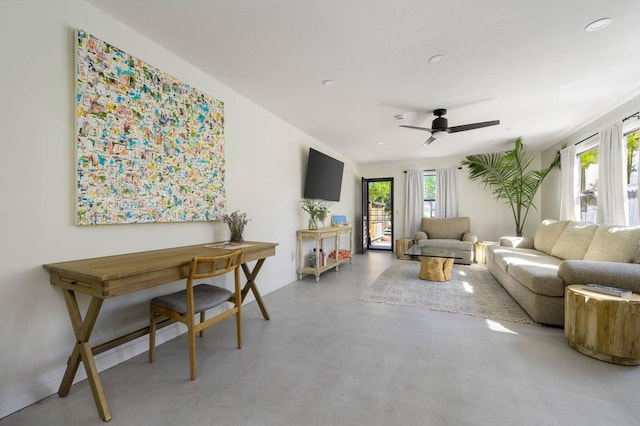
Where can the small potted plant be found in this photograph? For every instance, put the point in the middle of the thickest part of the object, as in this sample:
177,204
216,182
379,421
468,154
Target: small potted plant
236,221
317,210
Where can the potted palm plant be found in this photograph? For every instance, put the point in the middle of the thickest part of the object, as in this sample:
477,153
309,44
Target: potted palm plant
511,178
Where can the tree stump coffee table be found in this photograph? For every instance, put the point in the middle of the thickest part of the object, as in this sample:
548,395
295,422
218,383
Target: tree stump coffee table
602,326
435,262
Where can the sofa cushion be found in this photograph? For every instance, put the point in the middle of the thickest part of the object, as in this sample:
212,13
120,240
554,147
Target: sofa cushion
547,234
454,244
574,241
450,227
615,244
540,278
504,257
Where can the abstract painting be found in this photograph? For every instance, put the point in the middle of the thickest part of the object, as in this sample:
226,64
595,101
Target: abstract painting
149,148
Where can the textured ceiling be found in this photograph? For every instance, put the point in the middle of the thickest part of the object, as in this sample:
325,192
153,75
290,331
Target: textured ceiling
529,64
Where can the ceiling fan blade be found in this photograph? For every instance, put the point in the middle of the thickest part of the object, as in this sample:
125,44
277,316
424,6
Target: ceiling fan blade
465,127
416,128
429,141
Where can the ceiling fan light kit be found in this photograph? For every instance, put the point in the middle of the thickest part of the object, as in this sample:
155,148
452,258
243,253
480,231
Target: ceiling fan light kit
440,126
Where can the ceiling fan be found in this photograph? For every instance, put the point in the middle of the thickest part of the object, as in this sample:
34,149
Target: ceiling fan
440,126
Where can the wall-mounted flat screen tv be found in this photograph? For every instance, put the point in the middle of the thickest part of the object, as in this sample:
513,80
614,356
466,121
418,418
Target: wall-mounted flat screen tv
324,177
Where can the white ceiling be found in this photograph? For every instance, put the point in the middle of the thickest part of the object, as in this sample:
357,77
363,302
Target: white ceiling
528,63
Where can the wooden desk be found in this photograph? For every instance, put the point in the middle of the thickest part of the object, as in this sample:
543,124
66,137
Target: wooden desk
111,276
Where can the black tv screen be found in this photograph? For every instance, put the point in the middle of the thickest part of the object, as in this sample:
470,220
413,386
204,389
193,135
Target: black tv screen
324,177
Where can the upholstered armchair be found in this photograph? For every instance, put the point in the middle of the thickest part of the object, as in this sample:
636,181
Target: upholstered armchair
451,232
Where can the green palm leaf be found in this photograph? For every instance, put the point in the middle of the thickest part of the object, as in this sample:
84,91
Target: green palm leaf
510,178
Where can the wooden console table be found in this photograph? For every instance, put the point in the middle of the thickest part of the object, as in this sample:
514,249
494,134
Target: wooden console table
318,235
111,276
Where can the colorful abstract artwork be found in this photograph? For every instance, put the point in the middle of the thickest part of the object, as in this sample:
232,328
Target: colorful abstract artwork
149,148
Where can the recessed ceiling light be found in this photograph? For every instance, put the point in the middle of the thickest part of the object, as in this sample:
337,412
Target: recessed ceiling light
399,116
328,83
436,59
380,143
598,24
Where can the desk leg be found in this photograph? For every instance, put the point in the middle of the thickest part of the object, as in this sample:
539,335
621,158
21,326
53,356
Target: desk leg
82,352
251,285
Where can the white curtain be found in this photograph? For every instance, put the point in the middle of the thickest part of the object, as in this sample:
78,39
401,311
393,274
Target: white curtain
414,203
568,171
612,172
446,193
636,211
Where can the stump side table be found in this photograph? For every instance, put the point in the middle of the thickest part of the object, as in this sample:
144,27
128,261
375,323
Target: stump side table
402,245
480,249
602,326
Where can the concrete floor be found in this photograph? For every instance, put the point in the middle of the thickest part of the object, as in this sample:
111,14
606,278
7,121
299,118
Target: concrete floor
326,358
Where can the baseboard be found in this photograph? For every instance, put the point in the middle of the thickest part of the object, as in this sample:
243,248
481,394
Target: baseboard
108,359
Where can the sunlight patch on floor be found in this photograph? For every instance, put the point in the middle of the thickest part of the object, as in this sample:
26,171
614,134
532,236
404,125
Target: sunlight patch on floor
496,326
467,287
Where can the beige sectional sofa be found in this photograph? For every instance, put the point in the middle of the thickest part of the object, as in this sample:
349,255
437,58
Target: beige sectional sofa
452,232
536,270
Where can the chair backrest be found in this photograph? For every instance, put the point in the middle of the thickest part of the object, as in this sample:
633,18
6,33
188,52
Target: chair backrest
206,267
447,228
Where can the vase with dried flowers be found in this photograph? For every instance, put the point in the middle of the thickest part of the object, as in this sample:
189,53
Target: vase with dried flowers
236,221
317,210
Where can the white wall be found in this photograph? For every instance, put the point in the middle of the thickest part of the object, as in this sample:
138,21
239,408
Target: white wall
551,187
490,219
266,161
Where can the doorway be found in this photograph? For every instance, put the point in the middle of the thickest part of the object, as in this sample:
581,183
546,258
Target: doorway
377,213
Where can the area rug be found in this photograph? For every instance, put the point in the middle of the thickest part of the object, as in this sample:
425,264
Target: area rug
472,291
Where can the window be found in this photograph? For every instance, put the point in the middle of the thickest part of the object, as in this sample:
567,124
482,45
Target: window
429,195
633,140
588,161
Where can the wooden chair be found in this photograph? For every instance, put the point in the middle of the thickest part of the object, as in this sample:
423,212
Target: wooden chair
183,305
